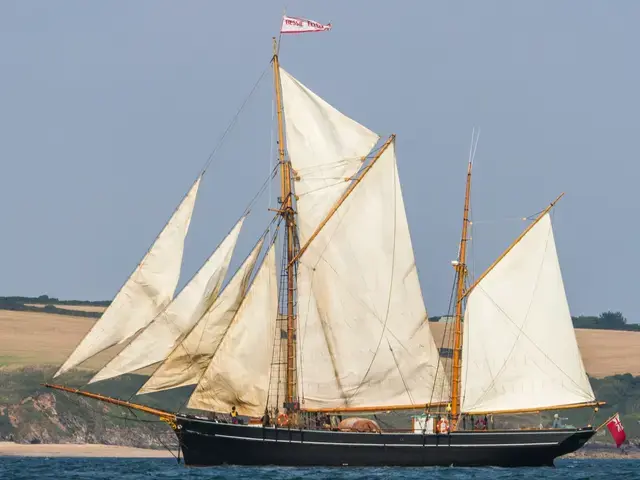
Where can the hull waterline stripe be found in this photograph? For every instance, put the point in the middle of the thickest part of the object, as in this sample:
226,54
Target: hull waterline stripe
233,437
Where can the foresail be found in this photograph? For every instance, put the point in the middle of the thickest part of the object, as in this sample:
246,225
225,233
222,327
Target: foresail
363,334
190,357
238,374
519,346
147,291
157,340
325,148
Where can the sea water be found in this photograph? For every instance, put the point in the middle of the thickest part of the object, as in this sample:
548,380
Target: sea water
16,468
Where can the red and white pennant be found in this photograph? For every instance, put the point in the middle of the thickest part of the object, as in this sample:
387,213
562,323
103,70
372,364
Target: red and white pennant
302,25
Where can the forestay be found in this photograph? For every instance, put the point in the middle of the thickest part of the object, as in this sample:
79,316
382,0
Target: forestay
238,374
363,334
325,148
157,340
190,357
147,291
519,349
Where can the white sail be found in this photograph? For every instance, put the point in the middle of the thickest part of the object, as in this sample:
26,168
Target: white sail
147,291
238,374
325,148
519,346
190,357
363,334
157,340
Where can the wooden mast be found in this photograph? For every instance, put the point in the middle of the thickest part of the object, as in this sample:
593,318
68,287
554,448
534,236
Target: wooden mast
288,214
461,275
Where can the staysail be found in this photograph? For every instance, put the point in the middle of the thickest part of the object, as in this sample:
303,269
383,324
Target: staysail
363,333
157,340
238,374
325,148
190,357
147,291
519,347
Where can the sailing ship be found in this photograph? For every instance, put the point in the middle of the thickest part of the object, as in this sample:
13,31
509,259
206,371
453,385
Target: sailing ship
344,330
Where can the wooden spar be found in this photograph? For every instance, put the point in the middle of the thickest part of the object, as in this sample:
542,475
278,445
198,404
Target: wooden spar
517,240
114,401
541,409
344,196
288,215
461,270
383,408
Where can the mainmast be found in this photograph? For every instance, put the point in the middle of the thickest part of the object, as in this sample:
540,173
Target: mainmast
288,214
461,275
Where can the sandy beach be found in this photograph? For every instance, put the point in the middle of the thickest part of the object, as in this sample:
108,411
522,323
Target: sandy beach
83,450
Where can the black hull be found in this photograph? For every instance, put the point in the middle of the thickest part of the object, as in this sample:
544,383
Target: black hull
206,443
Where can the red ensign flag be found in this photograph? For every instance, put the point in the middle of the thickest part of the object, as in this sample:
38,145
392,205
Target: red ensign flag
617,431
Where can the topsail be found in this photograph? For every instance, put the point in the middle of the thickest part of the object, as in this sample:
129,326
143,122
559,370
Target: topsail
326,149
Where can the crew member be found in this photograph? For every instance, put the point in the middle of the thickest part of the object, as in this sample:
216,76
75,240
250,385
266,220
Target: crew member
234,415
266,420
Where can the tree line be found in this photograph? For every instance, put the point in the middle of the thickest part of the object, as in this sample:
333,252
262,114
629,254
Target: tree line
605,321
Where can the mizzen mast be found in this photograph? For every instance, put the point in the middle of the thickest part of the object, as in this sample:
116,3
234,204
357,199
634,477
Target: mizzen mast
288,214
461,275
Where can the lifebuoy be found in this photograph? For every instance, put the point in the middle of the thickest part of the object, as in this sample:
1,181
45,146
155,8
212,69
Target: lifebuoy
283,420
443,426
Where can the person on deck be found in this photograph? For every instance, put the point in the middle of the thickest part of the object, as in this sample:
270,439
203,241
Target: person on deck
557,421
234,415
266,420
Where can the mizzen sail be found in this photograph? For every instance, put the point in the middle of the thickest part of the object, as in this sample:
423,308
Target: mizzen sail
519,347
157,340
146,293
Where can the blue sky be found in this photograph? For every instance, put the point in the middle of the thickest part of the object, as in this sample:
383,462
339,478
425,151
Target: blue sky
110,109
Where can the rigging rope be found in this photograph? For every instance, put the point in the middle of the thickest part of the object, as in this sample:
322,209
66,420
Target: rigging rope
233,121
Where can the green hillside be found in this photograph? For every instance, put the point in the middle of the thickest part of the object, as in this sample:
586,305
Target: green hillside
30,412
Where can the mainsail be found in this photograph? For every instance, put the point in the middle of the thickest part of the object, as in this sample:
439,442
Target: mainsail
157,340
191,356
147,291
363,338
238,374
520,350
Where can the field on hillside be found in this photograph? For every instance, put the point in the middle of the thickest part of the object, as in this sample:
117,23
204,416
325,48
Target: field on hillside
604,352
78,308
33,338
